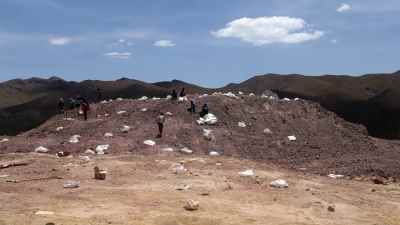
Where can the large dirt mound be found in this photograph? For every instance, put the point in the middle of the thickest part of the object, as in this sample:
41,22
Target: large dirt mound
324,142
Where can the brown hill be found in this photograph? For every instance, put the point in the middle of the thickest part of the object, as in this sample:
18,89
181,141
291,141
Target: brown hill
324,142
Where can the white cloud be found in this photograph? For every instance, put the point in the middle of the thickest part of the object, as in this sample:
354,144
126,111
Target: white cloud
267,30
344,8
164,43
118,55
60,40
334,41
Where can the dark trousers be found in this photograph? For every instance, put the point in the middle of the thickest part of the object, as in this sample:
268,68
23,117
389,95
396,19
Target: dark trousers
85,114
160,129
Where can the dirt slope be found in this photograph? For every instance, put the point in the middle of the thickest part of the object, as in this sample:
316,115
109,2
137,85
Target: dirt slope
325,143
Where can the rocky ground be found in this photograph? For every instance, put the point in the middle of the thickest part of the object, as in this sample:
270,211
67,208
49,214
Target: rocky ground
252,133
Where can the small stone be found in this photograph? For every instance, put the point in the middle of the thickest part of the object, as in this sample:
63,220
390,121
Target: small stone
99,174
242,124
44,213
279,184
108,135
192,205
186,150
149,142
292,138
71,184
41,149
90,152
331,208
247,173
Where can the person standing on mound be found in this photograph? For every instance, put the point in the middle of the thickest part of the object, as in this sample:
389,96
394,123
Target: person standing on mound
160,123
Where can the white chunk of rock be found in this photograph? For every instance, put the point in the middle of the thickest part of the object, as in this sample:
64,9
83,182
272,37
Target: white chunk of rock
149,142
74,139
214,153
279,184
292,138
335,176
108,135
246,173
242,124
59,129
101,149
125,129
41,149
186,150
121,112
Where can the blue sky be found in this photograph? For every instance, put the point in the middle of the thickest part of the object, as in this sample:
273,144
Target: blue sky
208,42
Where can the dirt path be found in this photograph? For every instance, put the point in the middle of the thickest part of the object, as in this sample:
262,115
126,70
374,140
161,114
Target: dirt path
142,190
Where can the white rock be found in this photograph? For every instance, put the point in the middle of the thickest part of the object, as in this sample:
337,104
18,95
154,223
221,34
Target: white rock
169,114
247,173
242,124
178,168
252,95
267,131
191,205
272,97
101,149
69,119
90,152
108,135
208,134
214,153
156,98
240,93
41,149
121,112
279,184
231,95
44,213
84,158
297,99
120,99
144,110
292,138
104,102
125,129
143,98
182,99
59,129
106,115
186,150
169,97
4,140
167,149
286,99
74,139
209,119
335,176
149,142
71,184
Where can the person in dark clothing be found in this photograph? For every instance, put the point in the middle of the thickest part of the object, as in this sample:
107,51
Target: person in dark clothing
204,110
85,108
99,95
192,108
182,94
160,123
174,95
61,107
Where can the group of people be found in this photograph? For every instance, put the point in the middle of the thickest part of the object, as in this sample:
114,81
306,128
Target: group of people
79,106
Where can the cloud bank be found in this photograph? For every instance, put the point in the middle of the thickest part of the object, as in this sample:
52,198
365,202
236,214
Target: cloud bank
267,30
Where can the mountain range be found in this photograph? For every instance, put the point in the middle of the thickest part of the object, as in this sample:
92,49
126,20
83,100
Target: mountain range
370,100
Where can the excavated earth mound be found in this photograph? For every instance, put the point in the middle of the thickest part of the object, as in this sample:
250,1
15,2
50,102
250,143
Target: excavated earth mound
248,127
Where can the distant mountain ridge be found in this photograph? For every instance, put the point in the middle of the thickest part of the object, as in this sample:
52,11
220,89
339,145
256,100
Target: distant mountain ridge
372,100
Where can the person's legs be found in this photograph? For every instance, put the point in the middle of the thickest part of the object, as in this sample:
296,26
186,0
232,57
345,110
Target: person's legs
85,114
160,129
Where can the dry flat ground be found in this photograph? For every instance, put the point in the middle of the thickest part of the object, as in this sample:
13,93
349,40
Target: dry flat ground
141,190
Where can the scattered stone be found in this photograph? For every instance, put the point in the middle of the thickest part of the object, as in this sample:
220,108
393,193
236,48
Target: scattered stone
214,153
101,149
125,129
108,135
58,129
247,173
335,176
74,139
286,99
90,152
192,205
218,164
207,134
182,187
231,95
331,208
168,97
279,184
242,124
186,150
4,140
143,98
292,138
99,174
4,175
63,154
144,110
379,180
240,93
167,149
71,184
44,213
267,131
269,94
169,114
209,119
252,95
84,158
121,112
297,99
41,149
178,168
119,99
104,102
149,142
